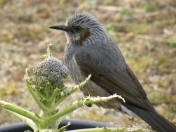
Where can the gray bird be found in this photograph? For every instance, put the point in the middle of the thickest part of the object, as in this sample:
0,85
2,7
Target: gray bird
90,51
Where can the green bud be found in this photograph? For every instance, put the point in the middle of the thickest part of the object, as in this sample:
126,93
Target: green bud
51,70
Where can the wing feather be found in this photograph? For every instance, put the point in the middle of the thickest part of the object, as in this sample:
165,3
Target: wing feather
121,82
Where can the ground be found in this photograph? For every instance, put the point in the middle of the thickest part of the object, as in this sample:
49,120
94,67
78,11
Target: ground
143,30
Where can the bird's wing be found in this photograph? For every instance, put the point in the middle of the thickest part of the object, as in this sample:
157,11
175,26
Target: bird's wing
105,72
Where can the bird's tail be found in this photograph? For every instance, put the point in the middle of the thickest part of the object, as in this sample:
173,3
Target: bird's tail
155,120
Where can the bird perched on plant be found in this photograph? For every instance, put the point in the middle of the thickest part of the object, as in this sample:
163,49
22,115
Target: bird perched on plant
90,51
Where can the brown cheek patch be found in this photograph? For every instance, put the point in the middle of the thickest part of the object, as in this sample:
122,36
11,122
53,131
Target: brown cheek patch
84,34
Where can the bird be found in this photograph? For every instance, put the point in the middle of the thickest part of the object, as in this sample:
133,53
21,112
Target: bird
90,51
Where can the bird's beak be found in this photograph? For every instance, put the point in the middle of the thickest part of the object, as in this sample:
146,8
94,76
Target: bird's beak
60,27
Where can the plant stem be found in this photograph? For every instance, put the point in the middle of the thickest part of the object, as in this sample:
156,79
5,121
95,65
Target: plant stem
77,104
25,119
74,89
51,101
35,96
20,111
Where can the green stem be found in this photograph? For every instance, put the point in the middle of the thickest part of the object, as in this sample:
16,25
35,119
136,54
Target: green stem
77,104
40,94
35,96
60,120
74,89
25,119
53,97
20,111
62,129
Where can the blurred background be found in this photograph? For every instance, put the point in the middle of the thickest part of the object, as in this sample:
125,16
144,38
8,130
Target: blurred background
145,31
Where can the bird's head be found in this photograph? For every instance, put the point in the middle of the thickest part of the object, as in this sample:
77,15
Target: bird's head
82,27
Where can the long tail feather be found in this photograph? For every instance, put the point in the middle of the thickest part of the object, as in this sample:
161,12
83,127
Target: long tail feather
154,119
